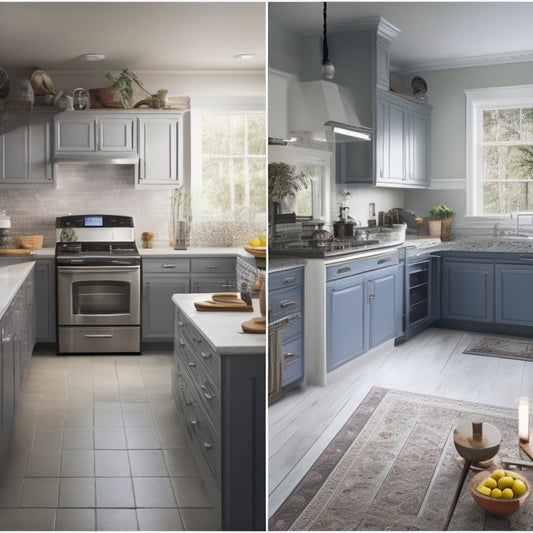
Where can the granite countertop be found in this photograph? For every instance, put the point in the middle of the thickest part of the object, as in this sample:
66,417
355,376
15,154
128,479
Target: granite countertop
223,329
11,279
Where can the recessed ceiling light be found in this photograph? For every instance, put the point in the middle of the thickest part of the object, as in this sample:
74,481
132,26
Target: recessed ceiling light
92,57
245,56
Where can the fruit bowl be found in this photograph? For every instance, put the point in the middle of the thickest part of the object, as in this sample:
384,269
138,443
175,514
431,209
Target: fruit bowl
497,506
256,251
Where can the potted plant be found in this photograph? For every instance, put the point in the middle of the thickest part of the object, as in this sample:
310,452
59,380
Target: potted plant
440,221
123,86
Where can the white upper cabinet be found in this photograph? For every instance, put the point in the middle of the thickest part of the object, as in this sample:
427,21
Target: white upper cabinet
26,153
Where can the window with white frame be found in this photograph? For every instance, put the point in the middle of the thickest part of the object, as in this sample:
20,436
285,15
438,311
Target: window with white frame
228,169
499,150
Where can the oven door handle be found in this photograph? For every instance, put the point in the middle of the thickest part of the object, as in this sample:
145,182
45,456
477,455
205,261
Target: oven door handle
97,269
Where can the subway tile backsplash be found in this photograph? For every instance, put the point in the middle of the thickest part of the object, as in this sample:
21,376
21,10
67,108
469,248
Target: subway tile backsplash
105,189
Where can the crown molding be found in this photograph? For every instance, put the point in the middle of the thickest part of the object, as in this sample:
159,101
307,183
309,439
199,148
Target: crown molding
465,62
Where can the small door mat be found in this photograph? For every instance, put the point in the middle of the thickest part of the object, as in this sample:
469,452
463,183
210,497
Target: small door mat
497,347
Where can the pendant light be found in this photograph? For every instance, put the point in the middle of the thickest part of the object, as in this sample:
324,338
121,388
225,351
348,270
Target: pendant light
328,69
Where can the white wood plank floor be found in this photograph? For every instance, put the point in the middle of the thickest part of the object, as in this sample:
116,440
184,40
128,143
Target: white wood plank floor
305,420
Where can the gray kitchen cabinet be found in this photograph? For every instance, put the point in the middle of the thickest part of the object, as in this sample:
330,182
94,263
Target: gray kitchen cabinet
162,278
363,307
161,150
26,153
467,290
213,274
87,132
402,142
17,338
220,397
286,300
514,294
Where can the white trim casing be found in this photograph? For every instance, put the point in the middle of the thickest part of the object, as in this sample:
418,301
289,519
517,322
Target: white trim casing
478,100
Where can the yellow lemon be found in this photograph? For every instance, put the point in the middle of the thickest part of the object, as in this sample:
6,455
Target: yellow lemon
254,242
497,474
519,488
507,494
490,482
496,493
484,490
513,475
263,240
505,482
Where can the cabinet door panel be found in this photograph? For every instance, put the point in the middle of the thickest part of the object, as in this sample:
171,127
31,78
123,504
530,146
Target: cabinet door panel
514,294
158,150
40,151
345,311
116,134
383,314
75,135
397,150
468,291
158,311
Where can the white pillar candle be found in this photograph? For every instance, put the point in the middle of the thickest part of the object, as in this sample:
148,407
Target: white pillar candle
523,420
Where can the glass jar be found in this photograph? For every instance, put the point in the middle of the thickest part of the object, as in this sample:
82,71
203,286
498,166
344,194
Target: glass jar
5,225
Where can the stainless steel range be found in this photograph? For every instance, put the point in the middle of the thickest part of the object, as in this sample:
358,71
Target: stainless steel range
98,275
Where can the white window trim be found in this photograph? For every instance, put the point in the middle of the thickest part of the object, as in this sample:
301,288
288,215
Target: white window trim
478,100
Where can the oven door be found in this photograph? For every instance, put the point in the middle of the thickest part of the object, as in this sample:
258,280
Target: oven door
98,295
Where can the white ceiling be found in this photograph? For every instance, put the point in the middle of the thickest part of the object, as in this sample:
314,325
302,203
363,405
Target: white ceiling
142,36
433,34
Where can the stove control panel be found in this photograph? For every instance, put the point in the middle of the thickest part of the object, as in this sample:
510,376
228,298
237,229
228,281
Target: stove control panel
94,221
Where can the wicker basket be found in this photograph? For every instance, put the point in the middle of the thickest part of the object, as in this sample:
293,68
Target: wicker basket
30,242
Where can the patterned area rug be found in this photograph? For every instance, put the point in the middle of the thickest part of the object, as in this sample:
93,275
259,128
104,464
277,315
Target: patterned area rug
394,466
496,347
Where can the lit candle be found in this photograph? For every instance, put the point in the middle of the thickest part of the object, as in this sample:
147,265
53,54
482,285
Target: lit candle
523,420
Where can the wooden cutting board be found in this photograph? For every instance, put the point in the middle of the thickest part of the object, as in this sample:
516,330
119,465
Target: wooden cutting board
14,251
256,325
210,305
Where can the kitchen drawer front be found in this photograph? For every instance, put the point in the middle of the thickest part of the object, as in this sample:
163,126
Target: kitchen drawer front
284,302
213,265
292,361
358,266
166,265
203,350
211,284
200,432
285,278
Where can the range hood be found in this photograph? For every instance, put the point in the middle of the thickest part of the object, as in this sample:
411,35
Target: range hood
321,110
98,158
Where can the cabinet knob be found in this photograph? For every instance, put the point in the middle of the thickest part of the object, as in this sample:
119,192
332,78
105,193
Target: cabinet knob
207,445
207,392
207,355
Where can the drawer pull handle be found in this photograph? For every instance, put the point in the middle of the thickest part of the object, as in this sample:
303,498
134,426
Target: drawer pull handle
193,422
189,402
207,392
192,364
343,270
167,265
211,267
287,303
286,281
288,355
181,324
181,342
207,355
207,445
385,260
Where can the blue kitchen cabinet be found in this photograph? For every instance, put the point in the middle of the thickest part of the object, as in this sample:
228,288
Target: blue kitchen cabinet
345,312
467,290
363,307
286,299
514,294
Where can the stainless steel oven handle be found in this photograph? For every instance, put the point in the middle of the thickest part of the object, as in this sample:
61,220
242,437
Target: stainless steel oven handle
97,269
98,336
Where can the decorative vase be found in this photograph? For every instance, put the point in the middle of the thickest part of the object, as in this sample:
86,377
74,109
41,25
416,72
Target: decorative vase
434,227
446,230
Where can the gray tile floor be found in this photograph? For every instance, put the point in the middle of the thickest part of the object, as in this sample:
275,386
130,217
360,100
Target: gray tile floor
96,446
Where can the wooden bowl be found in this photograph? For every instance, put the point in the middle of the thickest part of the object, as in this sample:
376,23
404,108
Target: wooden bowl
496,506
256,251
30,242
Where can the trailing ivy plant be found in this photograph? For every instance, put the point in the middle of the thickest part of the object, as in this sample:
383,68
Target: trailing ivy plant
284,181
123,86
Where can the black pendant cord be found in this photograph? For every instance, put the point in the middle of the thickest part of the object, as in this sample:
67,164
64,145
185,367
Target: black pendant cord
325,51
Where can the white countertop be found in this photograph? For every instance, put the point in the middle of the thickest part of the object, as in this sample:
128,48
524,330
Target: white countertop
190,252
11,279
222,328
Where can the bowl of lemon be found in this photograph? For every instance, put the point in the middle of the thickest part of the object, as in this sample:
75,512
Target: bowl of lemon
500,492
257,246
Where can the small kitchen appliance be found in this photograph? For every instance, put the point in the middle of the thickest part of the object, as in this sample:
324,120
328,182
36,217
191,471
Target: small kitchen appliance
98,279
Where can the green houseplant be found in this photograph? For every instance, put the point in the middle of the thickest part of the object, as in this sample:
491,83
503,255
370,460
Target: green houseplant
123,86
284,182
440,221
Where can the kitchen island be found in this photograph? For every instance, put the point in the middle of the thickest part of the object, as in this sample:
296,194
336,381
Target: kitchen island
219,390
